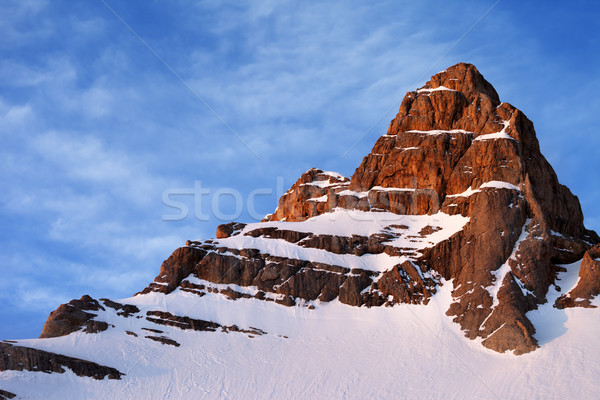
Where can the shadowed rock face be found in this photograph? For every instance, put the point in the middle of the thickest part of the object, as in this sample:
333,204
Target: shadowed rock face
588,285
174,269
21,358
454,149
6,395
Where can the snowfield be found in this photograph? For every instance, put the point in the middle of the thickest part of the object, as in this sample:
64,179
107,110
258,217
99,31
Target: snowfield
330,352
406,229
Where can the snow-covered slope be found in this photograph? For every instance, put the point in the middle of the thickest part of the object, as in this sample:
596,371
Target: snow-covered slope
332,351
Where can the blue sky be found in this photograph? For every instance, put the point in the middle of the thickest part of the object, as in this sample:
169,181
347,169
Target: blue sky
95,128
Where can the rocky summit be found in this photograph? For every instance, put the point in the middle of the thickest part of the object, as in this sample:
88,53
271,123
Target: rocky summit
455,196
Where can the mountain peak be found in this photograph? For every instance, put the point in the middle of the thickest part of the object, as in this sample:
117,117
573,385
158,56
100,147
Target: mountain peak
464,78
455,150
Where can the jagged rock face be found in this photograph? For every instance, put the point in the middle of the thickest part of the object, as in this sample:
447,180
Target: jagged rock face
588,285
456,190
174,269
308,196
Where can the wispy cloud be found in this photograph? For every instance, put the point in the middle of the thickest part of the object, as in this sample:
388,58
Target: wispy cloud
16,22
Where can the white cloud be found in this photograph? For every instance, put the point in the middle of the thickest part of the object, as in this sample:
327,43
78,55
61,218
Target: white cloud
83,157
90,27
12,116
97,101
87,160
15,73
14,18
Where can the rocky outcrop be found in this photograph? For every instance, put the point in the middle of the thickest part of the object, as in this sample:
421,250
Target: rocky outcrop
4,395
123,310
588,285
230,229
182,322
163,340
76,316
71,317
172,271
404,283
308,196
19,358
